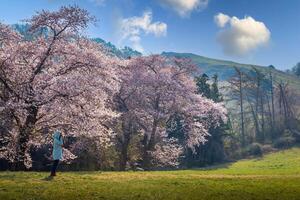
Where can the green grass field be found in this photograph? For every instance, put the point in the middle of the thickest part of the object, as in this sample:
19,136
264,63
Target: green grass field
275,176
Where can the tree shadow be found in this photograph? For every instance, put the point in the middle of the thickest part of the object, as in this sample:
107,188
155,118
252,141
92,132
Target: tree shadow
226,165
7,176
218,166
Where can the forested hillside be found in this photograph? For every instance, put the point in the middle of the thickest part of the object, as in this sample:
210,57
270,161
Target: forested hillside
225,69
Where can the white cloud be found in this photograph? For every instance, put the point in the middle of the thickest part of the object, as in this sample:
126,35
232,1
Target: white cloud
184,7
221,19
239,37
136,43
132,28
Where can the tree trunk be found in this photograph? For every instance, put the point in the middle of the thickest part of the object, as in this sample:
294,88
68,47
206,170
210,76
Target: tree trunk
262,119
125,144
283,104
24,135
259,104
271,130
124,157
145,156
149,146
242,110
254,115
273,107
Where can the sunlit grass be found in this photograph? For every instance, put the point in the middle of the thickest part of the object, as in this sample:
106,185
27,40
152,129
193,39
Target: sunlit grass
275,176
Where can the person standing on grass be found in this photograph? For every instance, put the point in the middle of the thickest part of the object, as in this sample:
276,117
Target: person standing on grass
57,152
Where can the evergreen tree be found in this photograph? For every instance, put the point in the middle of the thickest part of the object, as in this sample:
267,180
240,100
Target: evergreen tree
213,150
296,69
202,85
214,91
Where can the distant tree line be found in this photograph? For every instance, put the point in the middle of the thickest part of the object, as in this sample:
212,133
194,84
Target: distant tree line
268,108
295,70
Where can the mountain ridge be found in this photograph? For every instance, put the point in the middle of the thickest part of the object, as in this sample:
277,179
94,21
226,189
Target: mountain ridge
225,69
210,58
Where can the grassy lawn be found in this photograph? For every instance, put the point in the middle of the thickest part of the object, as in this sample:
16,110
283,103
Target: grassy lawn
275,176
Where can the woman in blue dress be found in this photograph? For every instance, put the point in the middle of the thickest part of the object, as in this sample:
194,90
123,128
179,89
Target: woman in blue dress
57,152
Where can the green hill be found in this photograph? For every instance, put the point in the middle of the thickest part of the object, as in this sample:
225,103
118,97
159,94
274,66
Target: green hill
274,176
225,69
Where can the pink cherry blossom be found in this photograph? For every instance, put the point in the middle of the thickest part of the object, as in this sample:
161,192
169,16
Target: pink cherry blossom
56,81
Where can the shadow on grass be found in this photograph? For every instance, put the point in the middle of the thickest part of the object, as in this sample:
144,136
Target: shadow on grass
226,165
8,176
48,178
219,166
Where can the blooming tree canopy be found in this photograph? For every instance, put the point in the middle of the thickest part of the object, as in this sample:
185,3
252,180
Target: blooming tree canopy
152,90
55,80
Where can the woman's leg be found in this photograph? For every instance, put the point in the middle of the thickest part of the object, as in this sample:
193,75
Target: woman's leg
54,167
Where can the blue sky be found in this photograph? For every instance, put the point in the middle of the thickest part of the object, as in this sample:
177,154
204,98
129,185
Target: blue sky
260,32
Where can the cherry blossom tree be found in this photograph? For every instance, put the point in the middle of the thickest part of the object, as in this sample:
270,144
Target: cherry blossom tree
153,89
167,153
55,80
